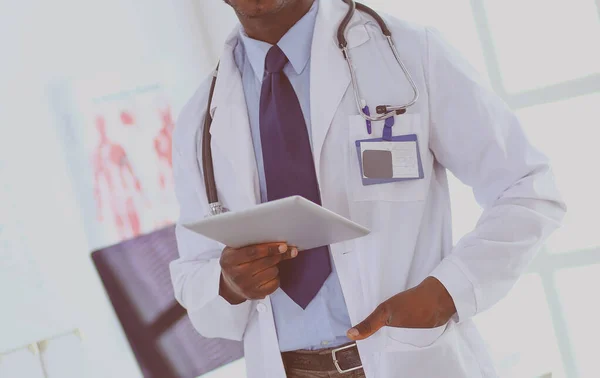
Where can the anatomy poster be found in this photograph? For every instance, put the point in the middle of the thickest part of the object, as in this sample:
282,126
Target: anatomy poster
118,143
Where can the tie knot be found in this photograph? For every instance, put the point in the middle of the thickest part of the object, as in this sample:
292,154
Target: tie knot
275,60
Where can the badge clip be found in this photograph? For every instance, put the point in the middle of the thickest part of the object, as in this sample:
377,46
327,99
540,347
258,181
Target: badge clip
367,112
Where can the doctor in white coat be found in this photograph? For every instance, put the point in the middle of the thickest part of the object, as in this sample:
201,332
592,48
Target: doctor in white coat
406,294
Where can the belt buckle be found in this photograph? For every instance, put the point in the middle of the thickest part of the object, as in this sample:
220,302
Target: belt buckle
336,363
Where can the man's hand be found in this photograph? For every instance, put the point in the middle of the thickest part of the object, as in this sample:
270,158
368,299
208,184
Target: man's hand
251,272
428,305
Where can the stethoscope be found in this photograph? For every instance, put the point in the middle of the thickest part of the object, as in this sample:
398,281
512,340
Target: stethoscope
384,112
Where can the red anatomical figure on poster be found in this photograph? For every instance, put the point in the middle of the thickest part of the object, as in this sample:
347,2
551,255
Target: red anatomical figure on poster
115,184
127,118
162,146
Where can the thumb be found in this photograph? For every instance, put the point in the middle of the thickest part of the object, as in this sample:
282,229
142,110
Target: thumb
370,325
291,253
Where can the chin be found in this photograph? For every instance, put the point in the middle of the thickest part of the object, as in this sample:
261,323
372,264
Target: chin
257,8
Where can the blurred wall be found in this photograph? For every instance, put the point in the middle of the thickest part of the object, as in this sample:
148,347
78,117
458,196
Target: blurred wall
50,285
218,20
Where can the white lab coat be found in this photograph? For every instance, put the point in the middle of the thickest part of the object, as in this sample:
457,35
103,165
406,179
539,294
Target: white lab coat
461,125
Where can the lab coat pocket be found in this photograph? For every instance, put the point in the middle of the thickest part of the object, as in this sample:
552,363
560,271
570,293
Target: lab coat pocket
401,191
404,339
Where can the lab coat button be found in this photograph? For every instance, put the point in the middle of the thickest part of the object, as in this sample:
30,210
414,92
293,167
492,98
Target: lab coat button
261,307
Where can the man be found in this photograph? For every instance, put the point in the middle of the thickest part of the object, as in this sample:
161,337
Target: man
399,302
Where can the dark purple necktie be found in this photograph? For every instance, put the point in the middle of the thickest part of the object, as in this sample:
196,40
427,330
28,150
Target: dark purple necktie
290,170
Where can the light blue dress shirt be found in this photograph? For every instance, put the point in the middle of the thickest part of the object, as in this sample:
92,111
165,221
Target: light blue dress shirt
323,324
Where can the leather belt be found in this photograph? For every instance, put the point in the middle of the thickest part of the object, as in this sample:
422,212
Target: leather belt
344,359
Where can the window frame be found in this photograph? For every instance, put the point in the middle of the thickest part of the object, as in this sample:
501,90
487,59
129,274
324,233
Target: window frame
546,264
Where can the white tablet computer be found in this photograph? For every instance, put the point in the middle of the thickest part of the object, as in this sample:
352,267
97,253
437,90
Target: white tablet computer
294,220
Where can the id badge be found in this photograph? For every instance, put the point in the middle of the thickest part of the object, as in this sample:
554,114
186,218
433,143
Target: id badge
389,160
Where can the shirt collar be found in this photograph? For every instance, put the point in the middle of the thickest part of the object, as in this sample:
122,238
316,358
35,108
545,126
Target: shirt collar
295,44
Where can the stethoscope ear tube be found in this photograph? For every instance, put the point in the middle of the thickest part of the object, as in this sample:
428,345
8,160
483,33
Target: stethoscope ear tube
207,161
353,6
382,24
383,111
342,42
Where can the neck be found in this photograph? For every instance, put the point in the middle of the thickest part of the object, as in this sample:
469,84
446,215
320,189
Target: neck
270,28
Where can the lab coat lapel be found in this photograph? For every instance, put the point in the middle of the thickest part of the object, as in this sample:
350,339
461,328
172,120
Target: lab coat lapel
329,72
230,130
